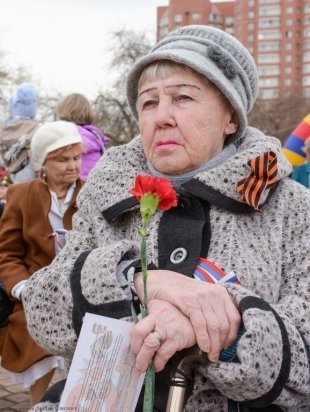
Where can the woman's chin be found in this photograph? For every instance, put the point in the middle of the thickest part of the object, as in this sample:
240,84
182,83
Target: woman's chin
170,170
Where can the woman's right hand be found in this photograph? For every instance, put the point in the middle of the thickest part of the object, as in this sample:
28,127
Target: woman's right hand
164,322
213,313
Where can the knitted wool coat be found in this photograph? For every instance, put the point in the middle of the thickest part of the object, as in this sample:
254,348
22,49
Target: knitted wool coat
268,250
26,245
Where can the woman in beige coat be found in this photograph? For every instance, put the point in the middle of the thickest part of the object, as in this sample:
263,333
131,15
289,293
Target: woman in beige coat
36,217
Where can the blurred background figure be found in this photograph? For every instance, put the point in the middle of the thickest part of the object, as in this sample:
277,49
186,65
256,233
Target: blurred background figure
16,135
301,173
77,109
4,183
36,217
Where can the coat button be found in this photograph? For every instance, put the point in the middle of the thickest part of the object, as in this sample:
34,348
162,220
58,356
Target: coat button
178,255
185,203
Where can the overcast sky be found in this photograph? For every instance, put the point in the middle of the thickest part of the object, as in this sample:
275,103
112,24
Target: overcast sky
64,42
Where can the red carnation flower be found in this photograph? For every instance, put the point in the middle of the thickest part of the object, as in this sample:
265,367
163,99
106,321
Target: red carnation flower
159,187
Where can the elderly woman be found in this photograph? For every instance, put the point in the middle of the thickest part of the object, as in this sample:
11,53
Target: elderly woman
35,218
238,216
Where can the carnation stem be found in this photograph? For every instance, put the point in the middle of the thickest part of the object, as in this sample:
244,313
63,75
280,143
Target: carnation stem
148,400
149,384
144,268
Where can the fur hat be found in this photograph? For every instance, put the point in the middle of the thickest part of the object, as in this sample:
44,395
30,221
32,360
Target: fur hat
215,54
52,136
24,103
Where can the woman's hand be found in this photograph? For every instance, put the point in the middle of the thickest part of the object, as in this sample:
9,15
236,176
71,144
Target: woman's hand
167,324
211,310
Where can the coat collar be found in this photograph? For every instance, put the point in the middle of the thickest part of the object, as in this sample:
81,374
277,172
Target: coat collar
218,186
45,199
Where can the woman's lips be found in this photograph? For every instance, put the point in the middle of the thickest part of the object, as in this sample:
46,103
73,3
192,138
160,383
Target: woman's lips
166,144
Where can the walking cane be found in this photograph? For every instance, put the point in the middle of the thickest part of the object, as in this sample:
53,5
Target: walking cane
191,358
182,377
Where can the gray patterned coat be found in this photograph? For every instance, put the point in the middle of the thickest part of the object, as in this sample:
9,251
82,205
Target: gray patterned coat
269,251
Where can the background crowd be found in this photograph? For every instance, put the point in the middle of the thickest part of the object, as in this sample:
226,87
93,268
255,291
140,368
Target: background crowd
43,167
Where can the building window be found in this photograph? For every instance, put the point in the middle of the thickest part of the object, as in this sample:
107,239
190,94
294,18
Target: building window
306,81
269,94
288,82
307,56
178,18
268,58
289,10
288,46
307,8
269,11
269,70
230,30
269,35
163,22
251,15
271,82
251,26
216,18
288,70
196,16
163,31
250,37
288,58
306,68
270,46
268,1
266,23
251,3
229,20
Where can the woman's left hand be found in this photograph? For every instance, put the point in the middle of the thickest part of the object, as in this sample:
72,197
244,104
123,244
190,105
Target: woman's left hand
162,333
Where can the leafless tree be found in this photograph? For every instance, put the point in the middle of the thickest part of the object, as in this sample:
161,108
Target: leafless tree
111,108
280,118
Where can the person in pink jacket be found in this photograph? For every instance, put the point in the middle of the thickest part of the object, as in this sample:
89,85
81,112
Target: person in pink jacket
76,108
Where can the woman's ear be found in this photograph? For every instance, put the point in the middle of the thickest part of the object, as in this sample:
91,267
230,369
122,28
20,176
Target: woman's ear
232,124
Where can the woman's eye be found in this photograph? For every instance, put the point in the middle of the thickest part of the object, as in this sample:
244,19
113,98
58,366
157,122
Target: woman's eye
149,103
183,97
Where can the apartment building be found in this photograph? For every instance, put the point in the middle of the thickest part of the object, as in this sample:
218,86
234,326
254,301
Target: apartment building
276,32
183,12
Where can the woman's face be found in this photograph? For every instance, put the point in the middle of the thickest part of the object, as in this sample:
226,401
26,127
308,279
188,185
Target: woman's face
63,167
183,122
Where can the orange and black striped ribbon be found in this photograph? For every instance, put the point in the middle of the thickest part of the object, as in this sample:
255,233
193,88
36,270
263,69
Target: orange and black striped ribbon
264,170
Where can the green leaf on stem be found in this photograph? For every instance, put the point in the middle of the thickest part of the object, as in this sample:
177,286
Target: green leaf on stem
144,311
134,313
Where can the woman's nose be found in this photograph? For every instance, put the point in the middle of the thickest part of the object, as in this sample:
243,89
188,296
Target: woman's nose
71,164
164,116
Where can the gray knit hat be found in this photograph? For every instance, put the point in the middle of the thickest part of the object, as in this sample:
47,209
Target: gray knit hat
213,53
